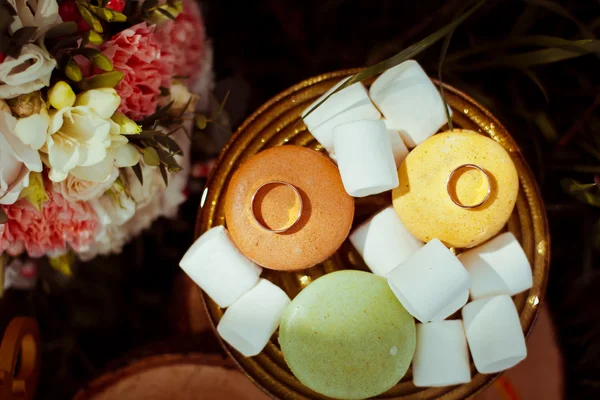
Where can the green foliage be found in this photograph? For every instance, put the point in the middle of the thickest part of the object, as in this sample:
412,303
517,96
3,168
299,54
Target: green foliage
584,192
406,54
105,80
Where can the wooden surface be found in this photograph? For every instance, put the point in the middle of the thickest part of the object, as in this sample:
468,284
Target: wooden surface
203,376
173,377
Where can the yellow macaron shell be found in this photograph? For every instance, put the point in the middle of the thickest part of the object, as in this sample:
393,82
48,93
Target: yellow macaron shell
424,204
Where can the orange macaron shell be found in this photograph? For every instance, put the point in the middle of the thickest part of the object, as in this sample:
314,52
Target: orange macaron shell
327,210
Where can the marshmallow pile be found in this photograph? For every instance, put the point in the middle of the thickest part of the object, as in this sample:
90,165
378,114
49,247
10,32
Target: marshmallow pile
432,284
367,148
254,305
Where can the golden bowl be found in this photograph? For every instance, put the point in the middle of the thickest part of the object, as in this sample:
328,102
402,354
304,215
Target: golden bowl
276,123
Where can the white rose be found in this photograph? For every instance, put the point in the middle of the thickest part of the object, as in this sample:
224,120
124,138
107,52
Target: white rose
16,161
181,96
75,189
115,209
28,73
83,143
143,219
120,154
32,129
152,187
39,13
78,137
103,101
115,206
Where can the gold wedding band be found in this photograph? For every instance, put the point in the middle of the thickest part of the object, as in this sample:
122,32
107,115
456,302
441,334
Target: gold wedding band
289,225
453,196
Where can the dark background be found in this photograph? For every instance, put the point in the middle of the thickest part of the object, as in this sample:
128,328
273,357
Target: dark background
115,308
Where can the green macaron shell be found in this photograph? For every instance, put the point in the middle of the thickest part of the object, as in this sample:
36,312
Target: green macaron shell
347,336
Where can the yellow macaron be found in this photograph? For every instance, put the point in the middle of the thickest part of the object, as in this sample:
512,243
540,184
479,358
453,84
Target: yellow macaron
426,200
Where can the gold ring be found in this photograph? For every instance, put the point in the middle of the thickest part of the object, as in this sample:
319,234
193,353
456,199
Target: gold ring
468,166
288,226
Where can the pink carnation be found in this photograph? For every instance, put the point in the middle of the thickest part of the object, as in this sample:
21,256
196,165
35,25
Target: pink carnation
185,38
60,224
146,67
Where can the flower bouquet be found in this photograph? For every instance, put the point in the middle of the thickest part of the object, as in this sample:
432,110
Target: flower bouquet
97,104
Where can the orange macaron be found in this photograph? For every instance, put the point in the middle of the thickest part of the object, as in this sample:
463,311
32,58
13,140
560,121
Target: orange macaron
291,189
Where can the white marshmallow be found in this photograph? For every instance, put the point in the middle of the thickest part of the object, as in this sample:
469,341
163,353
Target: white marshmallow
219,268
409,101
398,147
364,156
383,242
498,266
251,321
494,334
429,281
441,356
348,105
453,307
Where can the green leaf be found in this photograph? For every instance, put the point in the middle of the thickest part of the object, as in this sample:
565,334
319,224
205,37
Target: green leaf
62,29
166,13
534,78
168,143
97,58
537,57
445,46
586,193
3,217
108,15
560,10
221,107
571,185
523,41
164,91
91,37
406,54
163,173
168,159
187,105
89,18
544,124
151,157
105,80
160,112
201,121
137,170
20,38
149,5
73,71
70,42
525,21
144,135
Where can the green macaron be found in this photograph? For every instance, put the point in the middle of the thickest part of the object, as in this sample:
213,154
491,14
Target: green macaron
346,336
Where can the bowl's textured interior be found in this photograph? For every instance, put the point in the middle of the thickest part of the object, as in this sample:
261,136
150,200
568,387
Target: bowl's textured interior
276,124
